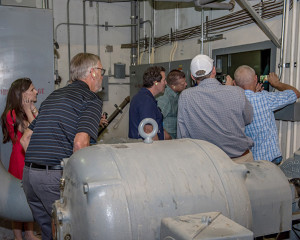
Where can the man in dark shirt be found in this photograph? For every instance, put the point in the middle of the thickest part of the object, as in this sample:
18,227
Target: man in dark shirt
143,104
68,120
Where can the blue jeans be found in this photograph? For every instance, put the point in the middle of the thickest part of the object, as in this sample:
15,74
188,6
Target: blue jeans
41,187
277,160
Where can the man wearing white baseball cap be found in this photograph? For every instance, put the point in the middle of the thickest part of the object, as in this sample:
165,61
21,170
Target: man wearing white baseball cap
214,112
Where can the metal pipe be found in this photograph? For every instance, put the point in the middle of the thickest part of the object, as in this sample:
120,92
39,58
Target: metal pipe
153,25
98,30
280,66
108,1
292,60
260,22
84,26
293,43
13,202
46,4
297,85
202,30
138,33
133,32
199,3
286,33
283,75
151,38
69,44
89,25
207,27
217,5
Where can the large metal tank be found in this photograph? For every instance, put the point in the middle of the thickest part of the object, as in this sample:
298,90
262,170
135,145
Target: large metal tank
122,191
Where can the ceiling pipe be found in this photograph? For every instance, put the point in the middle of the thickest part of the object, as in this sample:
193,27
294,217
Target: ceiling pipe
199,3
216,5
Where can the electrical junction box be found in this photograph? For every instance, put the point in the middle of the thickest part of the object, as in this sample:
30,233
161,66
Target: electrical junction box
289,113
119,70
210,225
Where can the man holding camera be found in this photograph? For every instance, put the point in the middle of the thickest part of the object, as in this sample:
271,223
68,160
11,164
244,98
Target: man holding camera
263,128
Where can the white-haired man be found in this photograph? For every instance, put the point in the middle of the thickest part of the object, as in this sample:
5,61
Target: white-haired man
215,113
263,129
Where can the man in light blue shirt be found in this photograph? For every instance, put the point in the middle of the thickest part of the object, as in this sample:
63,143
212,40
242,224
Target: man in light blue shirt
168,103
263,128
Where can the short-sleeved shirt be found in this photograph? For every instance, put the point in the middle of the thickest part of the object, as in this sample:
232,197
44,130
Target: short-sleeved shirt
217,114
64,113
263,128
168,104
143,105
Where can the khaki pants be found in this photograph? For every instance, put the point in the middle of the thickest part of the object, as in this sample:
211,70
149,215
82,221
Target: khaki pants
247,158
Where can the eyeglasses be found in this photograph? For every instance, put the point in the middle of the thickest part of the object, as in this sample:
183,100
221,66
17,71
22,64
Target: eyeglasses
102,70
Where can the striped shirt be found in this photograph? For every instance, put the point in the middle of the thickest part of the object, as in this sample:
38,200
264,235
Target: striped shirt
263,128
64,113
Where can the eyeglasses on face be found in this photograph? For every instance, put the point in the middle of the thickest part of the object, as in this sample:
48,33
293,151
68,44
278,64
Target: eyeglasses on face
102,70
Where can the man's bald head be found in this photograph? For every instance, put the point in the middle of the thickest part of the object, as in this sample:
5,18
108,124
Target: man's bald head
244,77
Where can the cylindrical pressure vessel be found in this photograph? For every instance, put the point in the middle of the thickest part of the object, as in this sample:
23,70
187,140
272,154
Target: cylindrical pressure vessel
122,191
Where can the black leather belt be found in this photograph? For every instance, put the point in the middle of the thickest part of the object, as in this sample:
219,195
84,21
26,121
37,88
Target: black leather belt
34,165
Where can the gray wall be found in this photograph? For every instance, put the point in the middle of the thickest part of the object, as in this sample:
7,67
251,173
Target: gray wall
26,50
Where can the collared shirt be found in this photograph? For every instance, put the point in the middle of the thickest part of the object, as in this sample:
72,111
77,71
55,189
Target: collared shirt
263,128
168,104
143,105
217,114
65,112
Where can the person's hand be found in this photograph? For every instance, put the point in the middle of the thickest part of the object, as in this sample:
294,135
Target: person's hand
103,121
259,87
26,102
273,79
229,81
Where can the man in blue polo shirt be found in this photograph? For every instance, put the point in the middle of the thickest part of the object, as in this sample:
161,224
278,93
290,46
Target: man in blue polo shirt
68,120
143,104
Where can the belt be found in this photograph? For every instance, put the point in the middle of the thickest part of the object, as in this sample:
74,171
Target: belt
245,153
34,165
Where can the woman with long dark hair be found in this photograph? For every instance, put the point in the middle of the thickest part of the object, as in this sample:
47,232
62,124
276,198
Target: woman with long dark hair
19,112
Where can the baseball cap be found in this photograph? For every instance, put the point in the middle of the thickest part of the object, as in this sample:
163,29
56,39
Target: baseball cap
201,65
